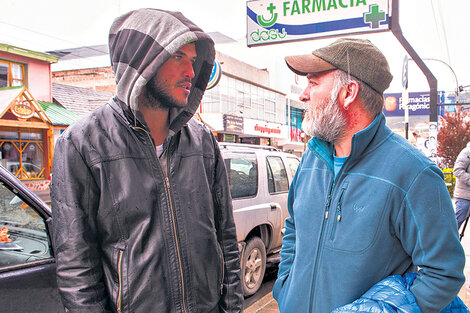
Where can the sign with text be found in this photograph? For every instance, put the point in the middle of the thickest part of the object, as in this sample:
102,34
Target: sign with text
274,21
233,123
22,109
418,104
265,129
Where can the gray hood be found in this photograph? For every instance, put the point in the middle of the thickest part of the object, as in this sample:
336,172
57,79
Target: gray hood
141,41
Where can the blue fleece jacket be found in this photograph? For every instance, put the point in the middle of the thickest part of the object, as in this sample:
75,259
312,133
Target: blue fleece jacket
387,212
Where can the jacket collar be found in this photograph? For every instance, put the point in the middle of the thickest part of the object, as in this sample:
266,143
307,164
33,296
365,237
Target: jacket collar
362,141
124,111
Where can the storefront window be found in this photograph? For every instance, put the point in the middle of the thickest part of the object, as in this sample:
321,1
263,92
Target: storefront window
3,75
16,75
11,74
22,154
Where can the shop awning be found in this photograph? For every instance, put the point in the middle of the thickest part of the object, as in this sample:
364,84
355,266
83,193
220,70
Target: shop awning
58,114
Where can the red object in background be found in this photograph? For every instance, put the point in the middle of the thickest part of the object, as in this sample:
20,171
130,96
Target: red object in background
4,235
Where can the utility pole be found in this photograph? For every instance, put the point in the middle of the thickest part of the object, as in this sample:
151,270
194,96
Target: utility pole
432,81
404,94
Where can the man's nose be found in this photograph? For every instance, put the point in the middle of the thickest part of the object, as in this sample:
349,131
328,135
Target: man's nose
189,71
305,95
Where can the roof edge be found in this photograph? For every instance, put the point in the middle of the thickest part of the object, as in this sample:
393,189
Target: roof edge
29,53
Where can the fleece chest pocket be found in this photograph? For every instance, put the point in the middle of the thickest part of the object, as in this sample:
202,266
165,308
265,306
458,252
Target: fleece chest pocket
355,219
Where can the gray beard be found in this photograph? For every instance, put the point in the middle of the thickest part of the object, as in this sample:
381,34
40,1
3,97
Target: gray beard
327,123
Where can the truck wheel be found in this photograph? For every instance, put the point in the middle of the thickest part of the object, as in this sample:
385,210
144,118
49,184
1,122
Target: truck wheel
253,266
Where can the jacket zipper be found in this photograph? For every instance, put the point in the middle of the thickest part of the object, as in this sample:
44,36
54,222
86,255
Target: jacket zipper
221,287
167,184
338,213
320,244
119,297
167,180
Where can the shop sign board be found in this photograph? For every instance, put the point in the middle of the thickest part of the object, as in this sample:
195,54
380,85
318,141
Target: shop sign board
22,109
275,21
265,129
418,104
233,123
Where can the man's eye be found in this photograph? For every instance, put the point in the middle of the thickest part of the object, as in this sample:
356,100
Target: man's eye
177,57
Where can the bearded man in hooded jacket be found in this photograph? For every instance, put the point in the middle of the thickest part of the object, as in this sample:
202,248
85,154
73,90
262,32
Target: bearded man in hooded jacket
142,213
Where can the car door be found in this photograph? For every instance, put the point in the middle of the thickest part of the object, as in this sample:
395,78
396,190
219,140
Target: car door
250,208
278,188
27,264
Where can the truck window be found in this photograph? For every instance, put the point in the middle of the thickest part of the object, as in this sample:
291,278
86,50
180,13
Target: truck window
277,175
242,175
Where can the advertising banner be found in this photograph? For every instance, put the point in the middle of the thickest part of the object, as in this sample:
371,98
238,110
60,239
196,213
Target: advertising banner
233,123
418,104
274,21
265,129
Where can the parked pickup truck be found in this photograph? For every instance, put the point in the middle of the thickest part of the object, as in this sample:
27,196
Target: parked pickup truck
259,179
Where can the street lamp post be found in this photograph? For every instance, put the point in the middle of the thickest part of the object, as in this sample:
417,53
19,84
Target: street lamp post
451,69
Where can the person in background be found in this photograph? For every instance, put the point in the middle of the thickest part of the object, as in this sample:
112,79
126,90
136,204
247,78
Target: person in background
462,185
364,203
142,214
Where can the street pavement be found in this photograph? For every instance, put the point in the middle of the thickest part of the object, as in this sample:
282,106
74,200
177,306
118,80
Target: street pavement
268,305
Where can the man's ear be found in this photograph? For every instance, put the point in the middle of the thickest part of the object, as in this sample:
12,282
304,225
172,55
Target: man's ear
349,94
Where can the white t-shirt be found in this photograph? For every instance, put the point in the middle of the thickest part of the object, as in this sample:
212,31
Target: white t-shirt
159,150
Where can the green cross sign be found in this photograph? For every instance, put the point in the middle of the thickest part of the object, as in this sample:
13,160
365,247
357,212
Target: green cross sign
374,17
268,22
271,8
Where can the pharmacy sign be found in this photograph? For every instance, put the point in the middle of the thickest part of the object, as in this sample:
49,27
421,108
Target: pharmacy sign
274,21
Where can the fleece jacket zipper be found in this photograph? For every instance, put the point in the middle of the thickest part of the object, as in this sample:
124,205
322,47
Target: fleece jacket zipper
320,243
338,213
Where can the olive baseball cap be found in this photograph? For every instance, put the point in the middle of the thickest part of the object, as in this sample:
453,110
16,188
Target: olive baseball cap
358,57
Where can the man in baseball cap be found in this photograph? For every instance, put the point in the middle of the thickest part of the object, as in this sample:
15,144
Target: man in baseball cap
364,203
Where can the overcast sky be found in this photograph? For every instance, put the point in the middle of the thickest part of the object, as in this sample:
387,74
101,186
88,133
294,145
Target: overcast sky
435,28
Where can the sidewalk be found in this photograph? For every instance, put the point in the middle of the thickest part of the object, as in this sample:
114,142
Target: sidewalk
268,305
264,305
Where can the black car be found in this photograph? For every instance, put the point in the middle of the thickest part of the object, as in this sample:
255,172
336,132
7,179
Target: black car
27,263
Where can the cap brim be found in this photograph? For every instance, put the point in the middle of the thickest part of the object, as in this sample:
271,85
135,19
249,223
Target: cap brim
307,63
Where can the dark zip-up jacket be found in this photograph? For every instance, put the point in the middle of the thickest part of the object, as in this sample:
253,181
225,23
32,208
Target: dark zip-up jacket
131,236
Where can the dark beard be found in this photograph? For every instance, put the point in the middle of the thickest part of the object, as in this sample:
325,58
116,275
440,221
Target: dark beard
159,99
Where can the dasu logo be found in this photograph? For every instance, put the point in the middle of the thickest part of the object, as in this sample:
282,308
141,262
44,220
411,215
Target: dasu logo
267,35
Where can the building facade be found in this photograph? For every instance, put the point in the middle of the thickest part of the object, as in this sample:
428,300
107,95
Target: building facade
242,107
29,121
